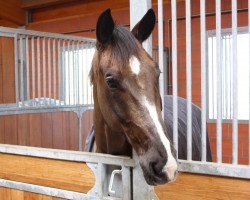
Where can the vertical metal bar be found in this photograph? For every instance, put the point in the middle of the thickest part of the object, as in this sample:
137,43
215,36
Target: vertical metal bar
84,81
74,74
174,75
21,68
16,68
63,69
203,81
189,80
59,70
44,69
33,68
160,45
69,98
38,69
27,67
86,69
249,82
218,64
78,74
235,83
54,70
49,70
137,9
126,183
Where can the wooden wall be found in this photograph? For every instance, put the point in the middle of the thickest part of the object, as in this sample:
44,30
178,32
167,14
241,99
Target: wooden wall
73,176
200,187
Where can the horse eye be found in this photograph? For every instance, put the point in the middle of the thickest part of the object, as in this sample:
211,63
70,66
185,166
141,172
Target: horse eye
112,83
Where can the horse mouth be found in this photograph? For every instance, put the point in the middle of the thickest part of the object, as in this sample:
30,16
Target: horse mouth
153,176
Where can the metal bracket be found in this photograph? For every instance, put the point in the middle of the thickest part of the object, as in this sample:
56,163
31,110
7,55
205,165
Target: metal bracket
111,182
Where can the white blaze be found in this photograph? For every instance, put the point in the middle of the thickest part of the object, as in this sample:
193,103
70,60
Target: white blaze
134,65
171,165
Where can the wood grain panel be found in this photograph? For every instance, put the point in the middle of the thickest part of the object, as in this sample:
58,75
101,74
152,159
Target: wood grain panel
12,194
58,139
2,133
87,122
31,4
12,11
8,70
47,172
74,135
10,129
1,73
35,132
47,130
23,129
200,187
66,129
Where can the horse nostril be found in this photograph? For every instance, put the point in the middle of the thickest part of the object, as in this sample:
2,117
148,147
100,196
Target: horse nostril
156,168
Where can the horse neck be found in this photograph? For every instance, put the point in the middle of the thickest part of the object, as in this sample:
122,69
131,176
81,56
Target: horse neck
108,141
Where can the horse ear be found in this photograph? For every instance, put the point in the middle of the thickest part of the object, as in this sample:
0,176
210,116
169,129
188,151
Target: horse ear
144,28
104,27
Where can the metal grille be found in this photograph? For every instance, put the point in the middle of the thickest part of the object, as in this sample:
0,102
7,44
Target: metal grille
51,70
218,167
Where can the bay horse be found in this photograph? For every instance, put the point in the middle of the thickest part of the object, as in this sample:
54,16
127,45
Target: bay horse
127,102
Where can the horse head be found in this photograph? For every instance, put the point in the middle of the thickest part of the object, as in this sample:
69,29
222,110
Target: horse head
127,101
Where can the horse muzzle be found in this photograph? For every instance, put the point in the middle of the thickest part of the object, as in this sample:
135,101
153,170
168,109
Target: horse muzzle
158,169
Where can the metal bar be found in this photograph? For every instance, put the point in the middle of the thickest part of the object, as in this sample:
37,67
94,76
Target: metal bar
189,80
84,80
235,84
27,67
126,183
66,155
44,69
249,83
73,73
12,109
69,98
44,34
86,71
63,72
38,69
161,51
203,81
21,68
49,70
78,74
220,169
218,64
65,194
33,68
174,75
59,71
16,69
54,69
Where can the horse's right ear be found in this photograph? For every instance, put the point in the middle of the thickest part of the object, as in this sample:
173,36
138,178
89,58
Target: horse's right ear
144,28
104,27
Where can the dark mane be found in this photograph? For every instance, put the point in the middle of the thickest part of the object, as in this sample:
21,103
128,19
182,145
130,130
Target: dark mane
122,45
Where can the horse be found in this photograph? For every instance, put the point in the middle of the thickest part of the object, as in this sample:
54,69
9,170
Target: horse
127,101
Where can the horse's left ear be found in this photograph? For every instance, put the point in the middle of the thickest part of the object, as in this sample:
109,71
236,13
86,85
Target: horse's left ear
144,28
104,27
